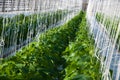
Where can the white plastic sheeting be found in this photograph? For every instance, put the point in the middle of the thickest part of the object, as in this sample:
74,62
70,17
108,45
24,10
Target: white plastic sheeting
107,47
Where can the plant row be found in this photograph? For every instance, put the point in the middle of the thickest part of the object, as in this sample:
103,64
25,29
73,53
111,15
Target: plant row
42,60
111,25
18,29
81,64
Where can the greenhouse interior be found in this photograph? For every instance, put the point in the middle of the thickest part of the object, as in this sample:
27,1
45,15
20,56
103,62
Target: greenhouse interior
59,40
